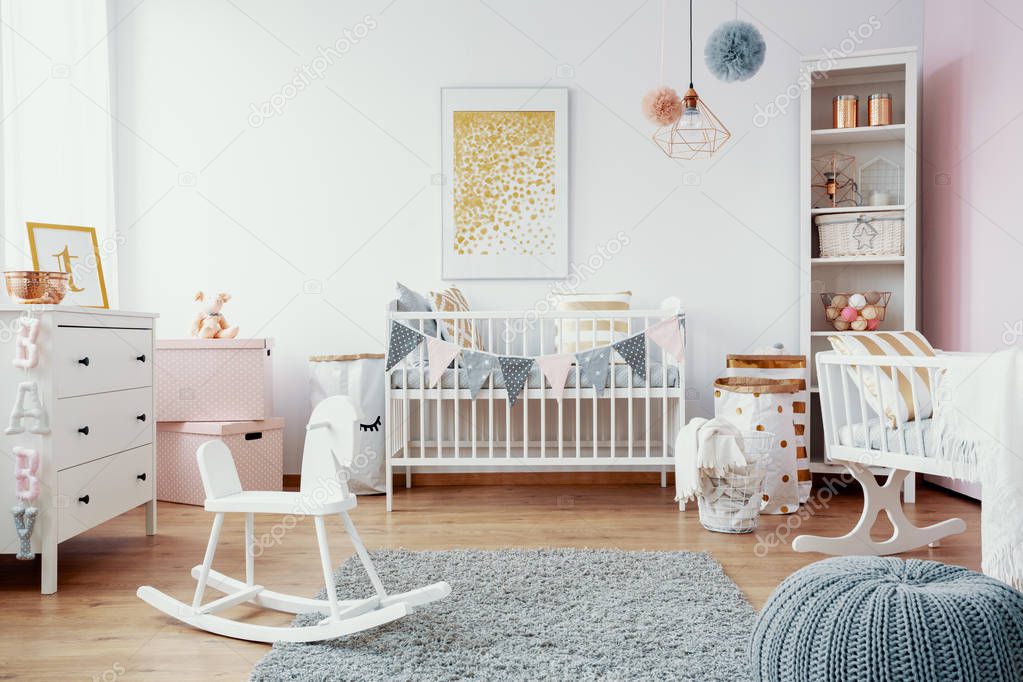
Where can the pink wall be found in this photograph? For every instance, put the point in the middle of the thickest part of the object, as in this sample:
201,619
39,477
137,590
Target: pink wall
972,173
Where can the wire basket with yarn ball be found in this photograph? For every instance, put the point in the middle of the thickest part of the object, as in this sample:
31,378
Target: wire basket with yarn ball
857,312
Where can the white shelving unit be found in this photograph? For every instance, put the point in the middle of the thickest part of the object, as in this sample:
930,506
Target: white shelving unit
894,71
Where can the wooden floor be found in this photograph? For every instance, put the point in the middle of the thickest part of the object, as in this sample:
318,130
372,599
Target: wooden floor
95,628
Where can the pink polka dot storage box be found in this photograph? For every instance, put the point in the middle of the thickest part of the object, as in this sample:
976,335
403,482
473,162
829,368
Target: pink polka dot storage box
257,448
213,380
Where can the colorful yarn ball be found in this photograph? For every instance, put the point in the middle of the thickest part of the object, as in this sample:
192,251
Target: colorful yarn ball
858,325
735,51
857,301
869,312
839,301
662,106
831,313
849,314
841,325
873,324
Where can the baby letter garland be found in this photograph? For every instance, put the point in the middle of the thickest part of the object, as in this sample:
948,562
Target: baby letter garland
594,364
26,460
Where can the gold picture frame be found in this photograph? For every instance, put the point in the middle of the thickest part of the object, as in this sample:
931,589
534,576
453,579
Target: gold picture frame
87,286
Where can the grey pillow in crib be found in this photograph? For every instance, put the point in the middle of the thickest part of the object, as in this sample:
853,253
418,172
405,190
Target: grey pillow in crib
410,301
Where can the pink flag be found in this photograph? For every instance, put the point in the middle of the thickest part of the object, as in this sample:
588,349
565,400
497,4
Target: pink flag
555,368
668,335
439,353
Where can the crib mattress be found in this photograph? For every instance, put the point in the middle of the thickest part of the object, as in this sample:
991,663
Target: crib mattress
852,436
621,377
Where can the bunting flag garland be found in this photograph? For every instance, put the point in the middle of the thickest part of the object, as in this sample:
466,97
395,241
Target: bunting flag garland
516,372
594,365
478,366
439,353
556,368
403,341
633,351
668,335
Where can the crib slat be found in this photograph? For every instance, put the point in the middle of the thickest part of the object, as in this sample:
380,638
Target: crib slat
593,425
664,399
578,395
883,418
543,394
422,393
439,435
910,374
646,381
631,393
507,405
490,397
614,399
473,433
525,400
455,402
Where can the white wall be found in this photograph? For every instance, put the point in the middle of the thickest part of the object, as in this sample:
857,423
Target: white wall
309,218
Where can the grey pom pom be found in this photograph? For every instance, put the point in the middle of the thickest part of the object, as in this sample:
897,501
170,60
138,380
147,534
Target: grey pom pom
735,51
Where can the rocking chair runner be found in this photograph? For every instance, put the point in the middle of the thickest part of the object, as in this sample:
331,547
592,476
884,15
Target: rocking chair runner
324,491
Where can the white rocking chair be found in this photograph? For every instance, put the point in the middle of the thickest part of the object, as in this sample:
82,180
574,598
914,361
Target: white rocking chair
324,491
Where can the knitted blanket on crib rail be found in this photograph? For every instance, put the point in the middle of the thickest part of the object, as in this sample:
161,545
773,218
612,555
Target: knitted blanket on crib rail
980,420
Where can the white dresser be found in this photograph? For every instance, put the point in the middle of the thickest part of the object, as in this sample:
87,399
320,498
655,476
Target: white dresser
95,385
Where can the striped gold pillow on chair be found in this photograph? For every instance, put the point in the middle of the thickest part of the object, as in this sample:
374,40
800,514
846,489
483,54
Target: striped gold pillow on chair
896,385
460,332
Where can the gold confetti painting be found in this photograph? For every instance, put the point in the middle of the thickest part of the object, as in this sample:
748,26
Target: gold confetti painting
504,170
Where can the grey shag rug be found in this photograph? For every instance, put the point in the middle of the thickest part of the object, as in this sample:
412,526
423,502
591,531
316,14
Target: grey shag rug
553,614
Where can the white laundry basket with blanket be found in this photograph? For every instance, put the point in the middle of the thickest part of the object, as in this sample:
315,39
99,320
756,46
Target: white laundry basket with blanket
361,378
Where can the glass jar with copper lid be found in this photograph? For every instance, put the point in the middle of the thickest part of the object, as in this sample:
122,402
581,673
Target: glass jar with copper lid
879,109
845,111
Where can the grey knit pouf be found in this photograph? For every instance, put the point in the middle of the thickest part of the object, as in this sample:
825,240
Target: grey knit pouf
878,618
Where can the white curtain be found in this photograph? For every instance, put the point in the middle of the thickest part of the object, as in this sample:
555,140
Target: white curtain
56,129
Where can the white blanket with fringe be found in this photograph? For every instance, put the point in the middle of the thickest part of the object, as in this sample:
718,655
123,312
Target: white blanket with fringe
705,447
981,424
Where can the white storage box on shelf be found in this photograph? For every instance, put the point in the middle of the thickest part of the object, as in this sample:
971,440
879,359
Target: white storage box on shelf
257,447
214,380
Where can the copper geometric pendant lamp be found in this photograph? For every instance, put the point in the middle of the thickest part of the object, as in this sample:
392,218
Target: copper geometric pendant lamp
696,133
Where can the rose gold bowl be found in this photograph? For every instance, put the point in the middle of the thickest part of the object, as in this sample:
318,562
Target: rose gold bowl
30,286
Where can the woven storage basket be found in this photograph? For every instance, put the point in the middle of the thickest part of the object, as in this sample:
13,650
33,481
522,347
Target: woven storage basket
862,234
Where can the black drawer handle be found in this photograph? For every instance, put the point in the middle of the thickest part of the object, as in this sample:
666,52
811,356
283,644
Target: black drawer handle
141,358
84,430
141,477
254,435
141,417
84,499
84,361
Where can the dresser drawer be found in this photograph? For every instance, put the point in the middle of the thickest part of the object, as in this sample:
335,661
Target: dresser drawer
94,426
94,360
92,493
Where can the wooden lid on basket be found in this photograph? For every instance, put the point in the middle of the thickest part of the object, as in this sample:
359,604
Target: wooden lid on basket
758,385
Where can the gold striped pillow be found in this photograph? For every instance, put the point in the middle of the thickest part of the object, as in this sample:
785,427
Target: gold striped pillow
896,386
460,332
578,335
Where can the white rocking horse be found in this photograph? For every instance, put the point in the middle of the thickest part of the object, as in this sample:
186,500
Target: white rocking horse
324,491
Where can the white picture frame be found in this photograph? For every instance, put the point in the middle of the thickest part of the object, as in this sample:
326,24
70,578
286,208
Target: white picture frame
537,244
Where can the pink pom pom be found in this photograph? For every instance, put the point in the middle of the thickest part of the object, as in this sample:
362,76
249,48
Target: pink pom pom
663,106
849,314
873,324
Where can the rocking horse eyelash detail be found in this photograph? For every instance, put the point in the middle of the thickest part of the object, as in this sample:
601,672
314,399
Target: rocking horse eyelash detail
375,426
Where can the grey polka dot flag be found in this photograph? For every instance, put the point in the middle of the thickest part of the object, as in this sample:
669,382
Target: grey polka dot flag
478,367
403,341
516,372
594,365
633,351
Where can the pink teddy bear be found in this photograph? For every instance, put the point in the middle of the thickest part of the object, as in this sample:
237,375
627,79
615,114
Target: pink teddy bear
210,323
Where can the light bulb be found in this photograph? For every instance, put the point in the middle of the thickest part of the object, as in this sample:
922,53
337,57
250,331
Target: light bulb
691,119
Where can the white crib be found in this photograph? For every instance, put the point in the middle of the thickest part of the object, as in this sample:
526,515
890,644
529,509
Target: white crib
633,424
857,437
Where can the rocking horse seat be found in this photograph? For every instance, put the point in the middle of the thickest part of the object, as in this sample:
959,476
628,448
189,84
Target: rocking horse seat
277,502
